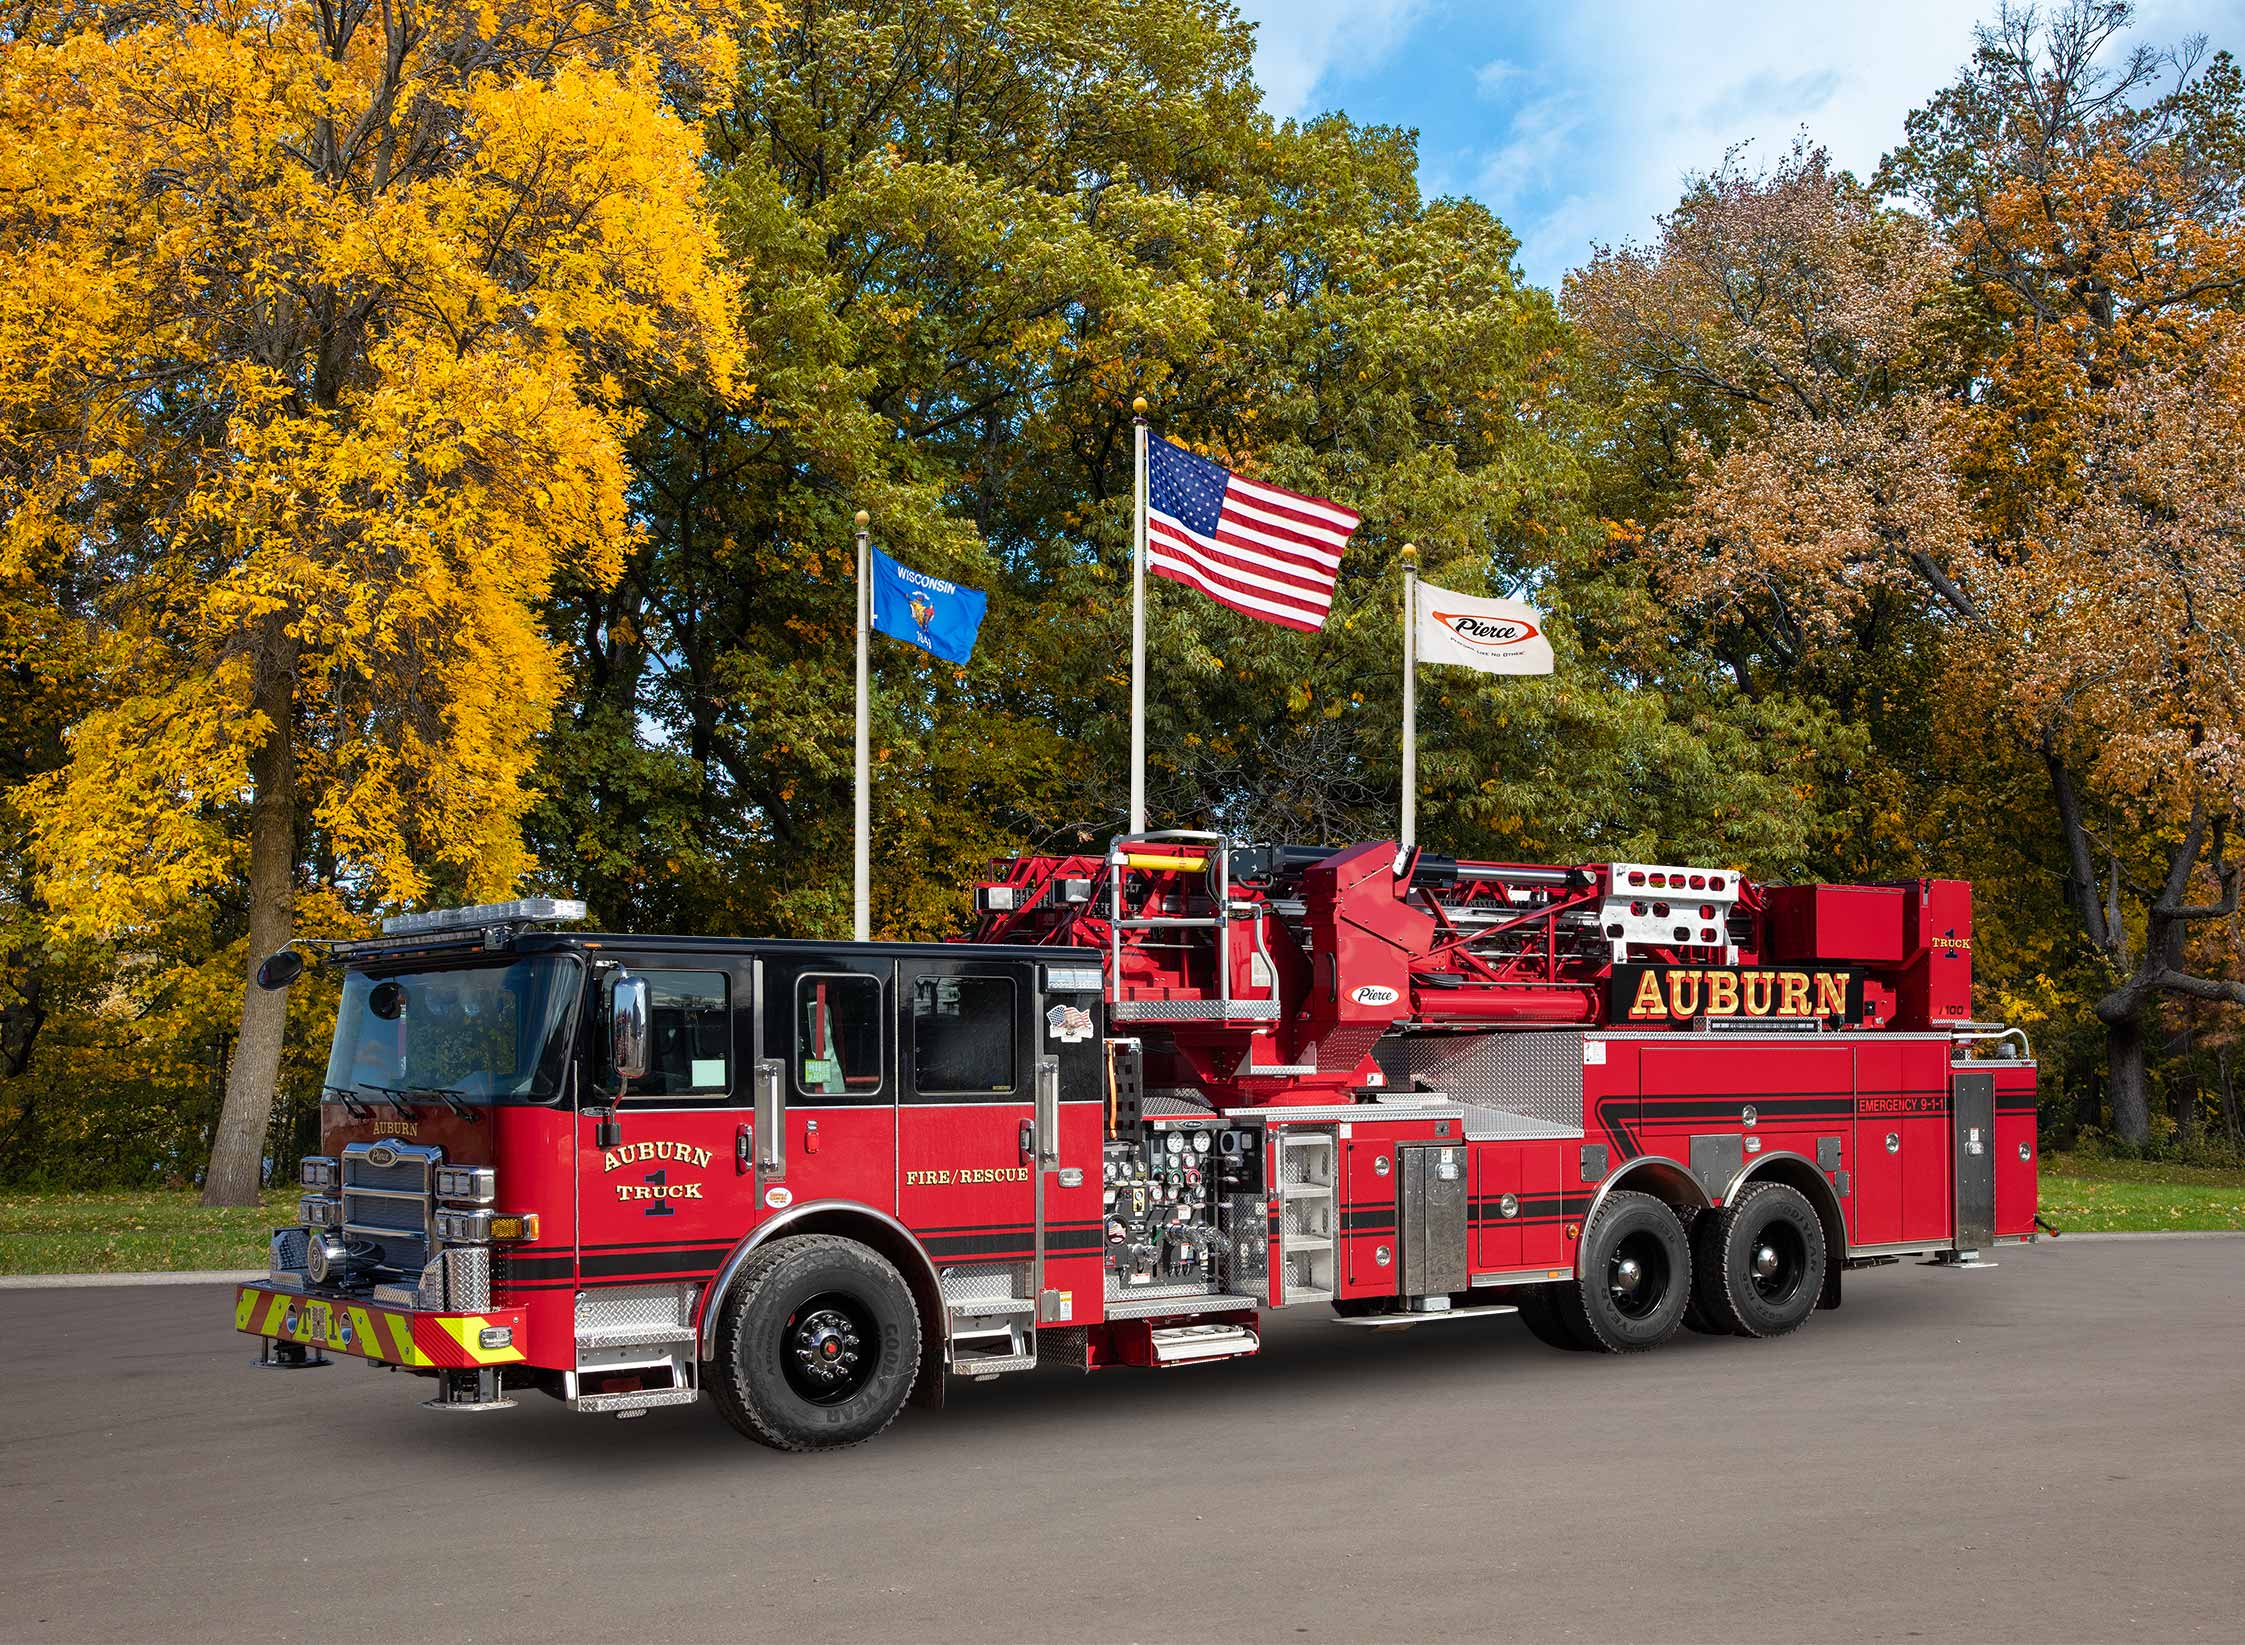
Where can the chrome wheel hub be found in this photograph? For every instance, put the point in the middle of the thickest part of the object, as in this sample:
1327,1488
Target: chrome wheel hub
826,1347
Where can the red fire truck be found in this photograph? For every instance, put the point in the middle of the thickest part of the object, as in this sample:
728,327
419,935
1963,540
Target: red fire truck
1157,1091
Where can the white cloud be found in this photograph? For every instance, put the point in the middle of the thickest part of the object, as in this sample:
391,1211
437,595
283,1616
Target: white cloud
1677,82
1301,42
1493,76
1537,150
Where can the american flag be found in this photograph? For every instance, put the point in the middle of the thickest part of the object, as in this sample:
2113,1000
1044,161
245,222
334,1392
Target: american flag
1272,554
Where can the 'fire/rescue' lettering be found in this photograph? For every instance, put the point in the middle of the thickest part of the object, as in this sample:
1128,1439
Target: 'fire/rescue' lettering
967,1173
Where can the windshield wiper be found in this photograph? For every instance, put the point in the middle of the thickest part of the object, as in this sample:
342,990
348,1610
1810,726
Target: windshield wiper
350,1099
393,1095
450,1098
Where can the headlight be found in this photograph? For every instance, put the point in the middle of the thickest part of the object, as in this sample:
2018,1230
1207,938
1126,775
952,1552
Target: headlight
464,1227
318,1211
468,1184
317,1172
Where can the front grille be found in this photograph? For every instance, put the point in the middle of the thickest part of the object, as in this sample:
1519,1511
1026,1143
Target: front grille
407,1176
372,1212
388,1193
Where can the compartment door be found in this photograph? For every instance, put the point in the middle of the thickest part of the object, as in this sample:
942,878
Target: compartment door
1975,1158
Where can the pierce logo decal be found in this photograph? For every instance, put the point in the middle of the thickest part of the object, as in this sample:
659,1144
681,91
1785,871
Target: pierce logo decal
1487,633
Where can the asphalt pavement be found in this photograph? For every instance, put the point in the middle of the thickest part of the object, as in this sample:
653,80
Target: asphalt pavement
2047,1450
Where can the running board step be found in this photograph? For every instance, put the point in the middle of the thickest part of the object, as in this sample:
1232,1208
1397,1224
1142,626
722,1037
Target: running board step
639,1400
1432,1316
634,1336
990,1365
1213,1302
1185,1344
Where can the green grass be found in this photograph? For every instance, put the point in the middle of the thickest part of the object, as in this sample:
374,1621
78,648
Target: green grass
111,1233
2084,1194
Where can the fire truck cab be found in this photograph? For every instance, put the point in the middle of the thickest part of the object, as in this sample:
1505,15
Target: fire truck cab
1159,1091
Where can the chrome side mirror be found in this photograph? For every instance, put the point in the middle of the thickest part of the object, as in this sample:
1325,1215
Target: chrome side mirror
278,970
629,1014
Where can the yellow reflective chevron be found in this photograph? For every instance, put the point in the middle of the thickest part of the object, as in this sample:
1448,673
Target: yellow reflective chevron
467,1331
419,1340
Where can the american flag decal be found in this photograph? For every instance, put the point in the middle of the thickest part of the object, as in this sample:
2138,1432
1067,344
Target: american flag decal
1269,553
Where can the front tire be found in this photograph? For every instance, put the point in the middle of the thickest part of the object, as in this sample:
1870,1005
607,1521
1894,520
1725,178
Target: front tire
1761,1264
1634,1275
817,1345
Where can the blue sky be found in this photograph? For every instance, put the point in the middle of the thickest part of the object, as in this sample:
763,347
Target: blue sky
1576,122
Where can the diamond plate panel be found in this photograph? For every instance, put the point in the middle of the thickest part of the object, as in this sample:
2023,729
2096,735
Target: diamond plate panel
467,1278
286,1254
1534,1072
967,1283
1175,1103
1193,1010
617,1307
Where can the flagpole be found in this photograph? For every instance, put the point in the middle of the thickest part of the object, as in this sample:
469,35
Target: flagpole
1138,624
861,872
1410,696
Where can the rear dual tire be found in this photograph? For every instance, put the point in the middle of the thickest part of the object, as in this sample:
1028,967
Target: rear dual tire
1759,1262
1755,1268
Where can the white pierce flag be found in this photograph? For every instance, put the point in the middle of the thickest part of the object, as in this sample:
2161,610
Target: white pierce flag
1474,631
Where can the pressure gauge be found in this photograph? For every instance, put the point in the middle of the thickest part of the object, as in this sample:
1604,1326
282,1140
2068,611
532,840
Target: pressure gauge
1176,1142
1113,1171
1202,1142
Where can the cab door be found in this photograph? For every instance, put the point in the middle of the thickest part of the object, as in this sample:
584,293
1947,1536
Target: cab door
967,1132
662,1199
826,1089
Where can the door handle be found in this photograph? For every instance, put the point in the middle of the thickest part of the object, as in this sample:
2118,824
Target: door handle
1048,1112
1028,1141
771,1117
744,1145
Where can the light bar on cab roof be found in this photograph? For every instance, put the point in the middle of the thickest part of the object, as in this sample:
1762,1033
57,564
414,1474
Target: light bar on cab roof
483,915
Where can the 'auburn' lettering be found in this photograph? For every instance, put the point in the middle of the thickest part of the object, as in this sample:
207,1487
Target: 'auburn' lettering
1680,993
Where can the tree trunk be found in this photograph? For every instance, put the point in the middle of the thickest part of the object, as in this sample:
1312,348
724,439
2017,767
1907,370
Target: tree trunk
2124,1065
2229,1101
237,1154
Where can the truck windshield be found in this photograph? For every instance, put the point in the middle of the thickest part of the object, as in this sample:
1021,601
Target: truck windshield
478,1034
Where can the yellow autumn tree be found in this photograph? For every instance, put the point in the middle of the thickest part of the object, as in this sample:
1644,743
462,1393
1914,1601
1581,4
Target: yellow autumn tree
315,359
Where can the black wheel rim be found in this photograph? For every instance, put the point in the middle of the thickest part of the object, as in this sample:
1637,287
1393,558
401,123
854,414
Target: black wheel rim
828,1348
1776,1262
1637,1275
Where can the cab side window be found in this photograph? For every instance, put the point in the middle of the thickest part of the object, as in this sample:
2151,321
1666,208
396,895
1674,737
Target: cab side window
963,1036
691,1049
838,1035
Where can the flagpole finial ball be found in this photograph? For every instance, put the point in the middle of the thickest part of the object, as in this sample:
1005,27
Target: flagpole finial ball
863,519
1410,551
1138,406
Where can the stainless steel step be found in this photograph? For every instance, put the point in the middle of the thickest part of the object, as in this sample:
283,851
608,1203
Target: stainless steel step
641,1400
632,1336
1184,1344
1203,1303
990,1365
1431,1316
